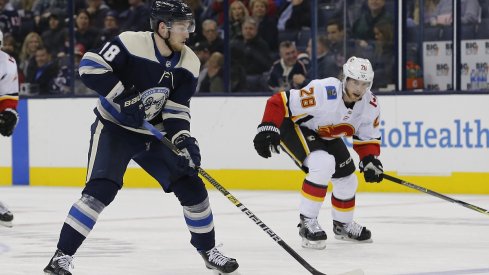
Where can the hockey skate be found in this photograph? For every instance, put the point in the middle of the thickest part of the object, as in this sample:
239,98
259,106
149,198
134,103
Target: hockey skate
6,216
59,264
351,232
216,261
313,236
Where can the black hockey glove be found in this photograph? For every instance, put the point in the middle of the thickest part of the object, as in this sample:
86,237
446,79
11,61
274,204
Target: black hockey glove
8,121
132,108
372,169
189,148
267,140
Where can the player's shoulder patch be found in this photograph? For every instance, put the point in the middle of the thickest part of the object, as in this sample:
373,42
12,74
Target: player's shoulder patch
331,87
331,92
189,61
139,44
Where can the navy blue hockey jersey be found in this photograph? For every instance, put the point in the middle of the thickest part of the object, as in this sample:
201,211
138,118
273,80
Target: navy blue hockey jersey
165,84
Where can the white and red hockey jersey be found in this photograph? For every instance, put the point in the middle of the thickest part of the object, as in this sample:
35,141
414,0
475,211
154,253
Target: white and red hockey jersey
319,106
9,82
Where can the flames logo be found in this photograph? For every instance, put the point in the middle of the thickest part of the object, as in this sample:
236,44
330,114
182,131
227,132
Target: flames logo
336,131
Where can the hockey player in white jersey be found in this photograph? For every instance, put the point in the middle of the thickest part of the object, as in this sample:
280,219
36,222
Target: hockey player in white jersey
9,97
308,124
143,76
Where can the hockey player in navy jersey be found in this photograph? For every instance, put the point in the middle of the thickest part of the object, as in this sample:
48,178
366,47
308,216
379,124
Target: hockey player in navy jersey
9,97
308,124
143,76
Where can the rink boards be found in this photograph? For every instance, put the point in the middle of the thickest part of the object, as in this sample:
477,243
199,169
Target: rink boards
439,141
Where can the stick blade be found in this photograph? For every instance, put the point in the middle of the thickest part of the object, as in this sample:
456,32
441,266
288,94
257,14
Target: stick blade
354,272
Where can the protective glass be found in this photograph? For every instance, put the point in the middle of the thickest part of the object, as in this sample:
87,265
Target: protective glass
184,26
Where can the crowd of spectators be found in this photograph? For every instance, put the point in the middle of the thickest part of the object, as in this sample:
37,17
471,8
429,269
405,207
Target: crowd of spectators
270,45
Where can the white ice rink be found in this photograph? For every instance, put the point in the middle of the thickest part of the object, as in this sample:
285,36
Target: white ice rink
143,232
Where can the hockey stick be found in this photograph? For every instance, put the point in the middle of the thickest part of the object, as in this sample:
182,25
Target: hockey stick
235,201
433,193
228,195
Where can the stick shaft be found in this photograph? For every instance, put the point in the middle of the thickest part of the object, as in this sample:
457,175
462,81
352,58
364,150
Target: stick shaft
237,203
438,195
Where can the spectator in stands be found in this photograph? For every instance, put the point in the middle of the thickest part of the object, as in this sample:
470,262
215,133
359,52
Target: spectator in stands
375,11
213,82
54,37
442,15
62,82
336,37
383,60
9,20
110,30
217,8
326,63
254,54
97,10
31,42
201,49
9,45
27,22
117,5
42,72
136,17
214,42
285,68
237,14
44,8
294,14
85,34
267,25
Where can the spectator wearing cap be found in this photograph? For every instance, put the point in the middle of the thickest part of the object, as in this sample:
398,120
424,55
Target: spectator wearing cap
97,11
110,30
201,49
54,37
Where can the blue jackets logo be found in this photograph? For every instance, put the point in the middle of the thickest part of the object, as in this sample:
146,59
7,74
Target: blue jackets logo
153,100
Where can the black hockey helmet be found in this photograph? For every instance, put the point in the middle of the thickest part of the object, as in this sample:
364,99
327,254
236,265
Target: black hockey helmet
168,11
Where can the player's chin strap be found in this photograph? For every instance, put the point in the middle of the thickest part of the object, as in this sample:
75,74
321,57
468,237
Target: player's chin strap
166,40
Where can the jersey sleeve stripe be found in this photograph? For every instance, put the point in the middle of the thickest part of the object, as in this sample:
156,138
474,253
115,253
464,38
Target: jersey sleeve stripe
285,100
179,133
359,142
303,119
302,139
89,56
117,90
9,97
